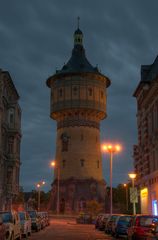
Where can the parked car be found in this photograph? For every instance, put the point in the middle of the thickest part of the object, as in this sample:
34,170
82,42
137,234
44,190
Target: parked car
122,225
141,226
12,222
35,221
153,235
25,223
113,225
102,222
47,218
110,220
42,219
2,229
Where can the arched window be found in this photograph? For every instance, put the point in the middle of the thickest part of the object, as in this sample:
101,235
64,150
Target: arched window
82,162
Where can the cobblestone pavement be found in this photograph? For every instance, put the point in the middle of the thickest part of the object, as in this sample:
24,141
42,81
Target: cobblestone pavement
67,229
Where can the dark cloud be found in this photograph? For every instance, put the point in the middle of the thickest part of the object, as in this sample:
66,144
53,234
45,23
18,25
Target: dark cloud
37,37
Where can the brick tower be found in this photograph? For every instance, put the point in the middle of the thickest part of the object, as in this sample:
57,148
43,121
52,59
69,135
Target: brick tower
78,104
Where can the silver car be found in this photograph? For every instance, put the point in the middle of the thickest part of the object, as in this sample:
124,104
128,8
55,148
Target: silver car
25,223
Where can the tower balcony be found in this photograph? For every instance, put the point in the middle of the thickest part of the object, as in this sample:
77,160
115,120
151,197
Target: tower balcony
62,106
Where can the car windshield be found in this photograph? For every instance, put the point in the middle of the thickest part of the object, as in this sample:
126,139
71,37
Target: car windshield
148,221
22,216
6,217
32,214
125,219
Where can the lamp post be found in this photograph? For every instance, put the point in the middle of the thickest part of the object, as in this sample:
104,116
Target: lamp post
112,149
132,177
53,164
126,189
39,185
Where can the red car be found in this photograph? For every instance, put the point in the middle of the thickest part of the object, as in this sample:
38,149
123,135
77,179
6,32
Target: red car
2,230
140,226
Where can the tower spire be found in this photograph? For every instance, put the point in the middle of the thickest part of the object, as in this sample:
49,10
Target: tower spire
78,22
78,35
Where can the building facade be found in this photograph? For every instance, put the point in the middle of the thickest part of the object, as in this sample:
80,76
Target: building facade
10,138
78,104
146,151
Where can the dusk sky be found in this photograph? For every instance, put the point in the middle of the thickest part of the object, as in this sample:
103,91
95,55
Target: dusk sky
36,38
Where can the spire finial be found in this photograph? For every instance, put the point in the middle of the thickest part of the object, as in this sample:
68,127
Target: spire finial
78,22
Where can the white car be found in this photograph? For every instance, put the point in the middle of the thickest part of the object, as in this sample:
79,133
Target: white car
25,223
12,222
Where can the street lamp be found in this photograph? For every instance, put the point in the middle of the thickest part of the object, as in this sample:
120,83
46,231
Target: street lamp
111,149
39,185
53,164
132,177
126,188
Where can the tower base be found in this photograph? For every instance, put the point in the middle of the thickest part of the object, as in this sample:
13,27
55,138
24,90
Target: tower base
75,193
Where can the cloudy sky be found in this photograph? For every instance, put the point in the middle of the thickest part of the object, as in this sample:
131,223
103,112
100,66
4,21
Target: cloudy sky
36,37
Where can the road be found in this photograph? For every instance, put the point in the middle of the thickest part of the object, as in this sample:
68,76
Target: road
67,229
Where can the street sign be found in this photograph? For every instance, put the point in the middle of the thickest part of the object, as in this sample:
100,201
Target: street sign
133,195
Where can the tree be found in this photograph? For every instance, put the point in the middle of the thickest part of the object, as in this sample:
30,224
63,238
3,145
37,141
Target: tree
93,207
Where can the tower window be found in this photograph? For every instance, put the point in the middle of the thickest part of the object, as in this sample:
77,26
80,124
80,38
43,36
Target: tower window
90,91
75,91
98,164
82,137
64,163
82,161
102,94
60,92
